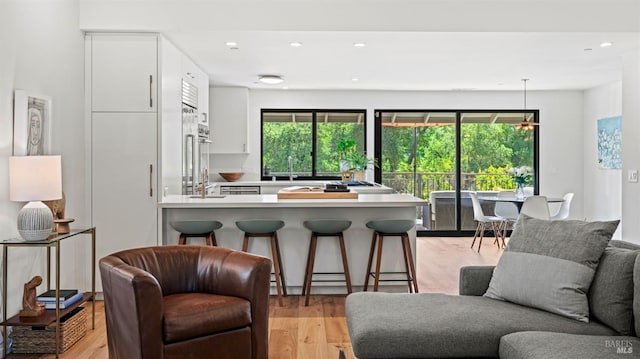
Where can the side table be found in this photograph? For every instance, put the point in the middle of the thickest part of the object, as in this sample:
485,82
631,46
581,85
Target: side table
51,315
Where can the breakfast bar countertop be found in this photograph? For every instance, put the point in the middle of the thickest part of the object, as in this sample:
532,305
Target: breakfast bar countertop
271,200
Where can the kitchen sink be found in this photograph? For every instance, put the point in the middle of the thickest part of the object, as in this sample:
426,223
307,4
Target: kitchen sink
208,196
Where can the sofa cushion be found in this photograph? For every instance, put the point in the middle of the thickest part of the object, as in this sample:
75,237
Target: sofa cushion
191,315
428,325
550,265
611,293
544,345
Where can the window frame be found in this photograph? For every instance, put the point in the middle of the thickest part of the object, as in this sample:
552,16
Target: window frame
458,232
314,119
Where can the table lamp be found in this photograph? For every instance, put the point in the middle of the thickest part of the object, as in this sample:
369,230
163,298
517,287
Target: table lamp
35,179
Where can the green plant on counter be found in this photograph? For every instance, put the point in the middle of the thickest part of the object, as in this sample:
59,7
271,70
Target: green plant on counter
346,146
359,161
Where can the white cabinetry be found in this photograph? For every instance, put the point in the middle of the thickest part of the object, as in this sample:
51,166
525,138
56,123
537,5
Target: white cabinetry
123,186
124,74
229,116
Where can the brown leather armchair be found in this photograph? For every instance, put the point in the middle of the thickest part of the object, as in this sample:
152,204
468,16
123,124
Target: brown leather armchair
186,302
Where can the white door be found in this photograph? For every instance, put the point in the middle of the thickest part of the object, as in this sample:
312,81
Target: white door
123,181
124,74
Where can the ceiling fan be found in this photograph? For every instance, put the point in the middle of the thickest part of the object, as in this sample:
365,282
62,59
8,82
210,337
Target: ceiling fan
527,123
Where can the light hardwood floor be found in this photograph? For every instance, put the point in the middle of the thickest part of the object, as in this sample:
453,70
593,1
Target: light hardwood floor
319,331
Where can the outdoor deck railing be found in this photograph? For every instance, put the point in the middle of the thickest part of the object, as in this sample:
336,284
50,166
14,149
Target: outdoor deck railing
425,182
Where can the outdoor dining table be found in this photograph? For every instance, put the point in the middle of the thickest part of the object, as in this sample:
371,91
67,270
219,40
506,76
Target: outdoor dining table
517,201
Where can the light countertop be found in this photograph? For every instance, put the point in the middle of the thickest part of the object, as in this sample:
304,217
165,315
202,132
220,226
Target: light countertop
271,200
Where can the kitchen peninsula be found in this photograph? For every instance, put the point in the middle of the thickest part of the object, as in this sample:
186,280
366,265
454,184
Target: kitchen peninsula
294,237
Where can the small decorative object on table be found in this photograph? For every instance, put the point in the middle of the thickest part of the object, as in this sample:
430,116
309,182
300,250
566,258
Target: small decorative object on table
521,175
30,308
61,224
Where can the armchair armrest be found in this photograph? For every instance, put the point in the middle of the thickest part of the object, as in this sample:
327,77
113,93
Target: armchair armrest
133,307
242,275
474,280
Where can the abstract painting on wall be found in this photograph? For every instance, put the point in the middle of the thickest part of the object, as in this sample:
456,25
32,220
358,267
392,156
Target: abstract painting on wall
610,143
31,124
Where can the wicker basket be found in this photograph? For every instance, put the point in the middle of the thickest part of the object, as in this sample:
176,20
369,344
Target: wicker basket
28,340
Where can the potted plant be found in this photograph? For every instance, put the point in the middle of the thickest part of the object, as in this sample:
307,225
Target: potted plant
346,147
358,162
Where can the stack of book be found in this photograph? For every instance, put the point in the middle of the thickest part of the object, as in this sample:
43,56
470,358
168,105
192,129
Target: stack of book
67,297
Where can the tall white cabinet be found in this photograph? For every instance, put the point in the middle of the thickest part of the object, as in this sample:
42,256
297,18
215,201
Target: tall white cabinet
133,106
122,91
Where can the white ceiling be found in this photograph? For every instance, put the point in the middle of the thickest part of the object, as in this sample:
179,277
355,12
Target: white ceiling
401,52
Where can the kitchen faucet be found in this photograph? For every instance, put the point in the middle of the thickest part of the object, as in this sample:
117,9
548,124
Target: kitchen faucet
202,187
290,163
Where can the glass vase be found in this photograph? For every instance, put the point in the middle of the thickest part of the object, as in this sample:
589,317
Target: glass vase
519,190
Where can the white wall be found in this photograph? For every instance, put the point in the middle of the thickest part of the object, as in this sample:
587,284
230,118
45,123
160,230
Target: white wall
561,126
631,145
603,187
42,52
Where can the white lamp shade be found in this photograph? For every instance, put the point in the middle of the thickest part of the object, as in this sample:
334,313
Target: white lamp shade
35,178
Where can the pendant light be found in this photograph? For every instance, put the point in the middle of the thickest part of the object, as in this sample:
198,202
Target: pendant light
526,124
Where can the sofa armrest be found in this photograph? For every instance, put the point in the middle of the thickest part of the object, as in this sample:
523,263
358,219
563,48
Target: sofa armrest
474,280
133,308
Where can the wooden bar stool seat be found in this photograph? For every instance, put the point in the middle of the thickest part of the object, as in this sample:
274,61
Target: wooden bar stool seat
266,228
391,228
197,229
325,228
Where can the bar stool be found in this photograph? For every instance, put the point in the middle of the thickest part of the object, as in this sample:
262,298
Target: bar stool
325,228
267,229
197,229
389,228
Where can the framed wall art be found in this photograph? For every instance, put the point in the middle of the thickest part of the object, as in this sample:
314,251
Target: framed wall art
610,143
31,124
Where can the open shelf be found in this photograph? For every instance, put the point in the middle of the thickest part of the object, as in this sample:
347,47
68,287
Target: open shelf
48,317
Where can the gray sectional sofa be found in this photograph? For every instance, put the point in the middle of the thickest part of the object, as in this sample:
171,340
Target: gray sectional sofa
472,325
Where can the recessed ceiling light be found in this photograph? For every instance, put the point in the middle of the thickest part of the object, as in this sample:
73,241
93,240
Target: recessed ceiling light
359,44
231,44
285,87
270,79
295,44
355,79
606,44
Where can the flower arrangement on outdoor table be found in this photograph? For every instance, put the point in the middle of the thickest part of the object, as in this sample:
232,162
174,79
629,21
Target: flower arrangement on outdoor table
521,175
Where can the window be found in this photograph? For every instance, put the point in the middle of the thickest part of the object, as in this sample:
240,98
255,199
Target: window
310,138
442,155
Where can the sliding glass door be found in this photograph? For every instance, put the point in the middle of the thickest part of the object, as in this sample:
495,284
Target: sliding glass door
441,156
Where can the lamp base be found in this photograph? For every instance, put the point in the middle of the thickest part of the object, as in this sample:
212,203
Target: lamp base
35,221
